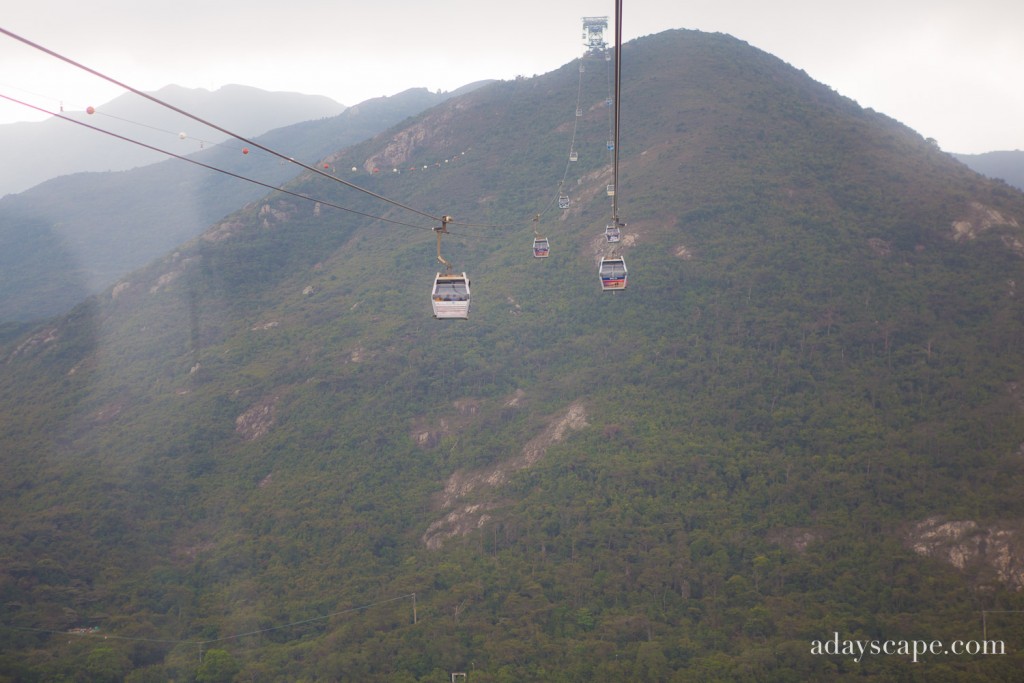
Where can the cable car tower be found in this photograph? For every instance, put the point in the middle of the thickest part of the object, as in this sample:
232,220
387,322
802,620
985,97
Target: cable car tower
593,35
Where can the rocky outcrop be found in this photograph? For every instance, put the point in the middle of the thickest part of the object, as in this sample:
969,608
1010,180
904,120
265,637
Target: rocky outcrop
988,552
979,219
463,517
258,419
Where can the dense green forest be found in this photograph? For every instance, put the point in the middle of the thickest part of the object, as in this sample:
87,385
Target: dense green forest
261,459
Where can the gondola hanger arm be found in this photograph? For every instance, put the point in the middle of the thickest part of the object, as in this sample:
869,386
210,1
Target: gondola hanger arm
445,220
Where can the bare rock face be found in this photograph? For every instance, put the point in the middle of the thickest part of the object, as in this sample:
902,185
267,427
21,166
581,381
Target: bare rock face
995,551
258,419
980,218
463,517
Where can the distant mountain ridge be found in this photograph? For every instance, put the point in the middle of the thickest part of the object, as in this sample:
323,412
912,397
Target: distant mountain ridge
50,148
1004,165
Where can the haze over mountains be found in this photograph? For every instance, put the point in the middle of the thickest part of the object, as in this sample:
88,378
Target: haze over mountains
1006,165
259,457
54,147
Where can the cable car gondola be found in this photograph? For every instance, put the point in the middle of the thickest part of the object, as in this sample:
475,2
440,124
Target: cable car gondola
613,273
563,201
612,233
450,296
540,247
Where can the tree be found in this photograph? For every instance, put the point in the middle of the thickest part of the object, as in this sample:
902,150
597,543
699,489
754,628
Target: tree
106,664
218,667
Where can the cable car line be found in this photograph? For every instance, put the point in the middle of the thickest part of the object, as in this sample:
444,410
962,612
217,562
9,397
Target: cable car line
63,105
612,269
618,106
241,138
179,135
562,197
450,294
247,141
541,246
212,168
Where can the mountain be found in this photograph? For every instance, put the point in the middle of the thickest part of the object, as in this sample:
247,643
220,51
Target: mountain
261,458
53,147
75,235
1007,165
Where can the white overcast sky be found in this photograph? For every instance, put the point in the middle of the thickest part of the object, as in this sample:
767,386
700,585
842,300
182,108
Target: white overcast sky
951,69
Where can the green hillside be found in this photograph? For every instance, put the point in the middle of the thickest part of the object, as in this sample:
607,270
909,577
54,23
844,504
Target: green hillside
261,458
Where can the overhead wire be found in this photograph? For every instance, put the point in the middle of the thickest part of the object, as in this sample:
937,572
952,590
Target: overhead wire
257,145
618,102
609,99
237,136
578,114
202,142
572,141
211,167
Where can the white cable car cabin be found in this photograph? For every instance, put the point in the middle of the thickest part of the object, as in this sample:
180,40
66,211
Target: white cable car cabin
574,156
541,247
450,297
612,233
563,201
613,273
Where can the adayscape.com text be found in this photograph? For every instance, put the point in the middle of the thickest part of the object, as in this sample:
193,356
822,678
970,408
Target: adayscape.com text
913,648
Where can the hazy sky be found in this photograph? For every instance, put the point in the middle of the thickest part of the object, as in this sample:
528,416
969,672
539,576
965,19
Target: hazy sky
951,69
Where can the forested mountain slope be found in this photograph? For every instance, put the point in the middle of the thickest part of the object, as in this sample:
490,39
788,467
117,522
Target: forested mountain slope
263,450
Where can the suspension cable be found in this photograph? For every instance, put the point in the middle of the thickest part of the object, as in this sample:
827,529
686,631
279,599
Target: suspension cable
243,139
618,100
210,167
